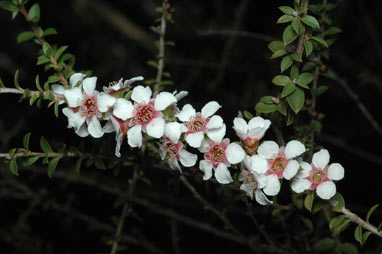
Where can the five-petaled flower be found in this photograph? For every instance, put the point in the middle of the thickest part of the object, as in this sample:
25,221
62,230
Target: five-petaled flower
319,175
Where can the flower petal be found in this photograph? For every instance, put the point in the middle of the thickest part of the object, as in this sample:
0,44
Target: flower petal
95,128
173,162
294,148
210,108
105,101
89,85
141,94
273,185
187,159
247,190
336,171
163,100
75,120
217,134
195,139
82,131
321,158
73,96
173,130
75,78
206,168
186,113
128,82
300,185
234,153
155,128
241,127
215,122
123,109
119,140
259,164
261,198
222,174
268,149
180,95
291,169
261,180
58,89
134,136
326,190
305,166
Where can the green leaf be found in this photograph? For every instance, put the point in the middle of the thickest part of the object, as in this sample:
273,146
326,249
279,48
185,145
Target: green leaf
289,35
308,66
286,62
56,109
285,19
267,99
338,224
296,100
276,45
42,59
24,36
26,140
152,63
320,40
45,146
365,236
29,161
170,43
290,120
38,83
296,57
248,115
13,167
77,167
341,202
16,79
308,202
324,244
308,48
32,100
358,234
304,79
333,30
1,83
297,201
281,107
370,212
49,31
308,224
98,163
46,48
286,9
53,78
265,108
311,21
52,166
8,6
34,13
279,53
60,51
296,25
294,73
288,89
348,248
281,80
318,206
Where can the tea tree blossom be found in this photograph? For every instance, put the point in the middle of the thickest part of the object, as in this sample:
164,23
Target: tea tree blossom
251,133
116,87
198,124
85,107
319,176
277,162
219,155
253,182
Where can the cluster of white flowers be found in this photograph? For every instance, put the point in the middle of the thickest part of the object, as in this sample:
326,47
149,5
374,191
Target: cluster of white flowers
131,113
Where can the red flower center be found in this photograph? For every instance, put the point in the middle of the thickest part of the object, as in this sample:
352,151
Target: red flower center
89,106
171,149
144,113
216,155
197,123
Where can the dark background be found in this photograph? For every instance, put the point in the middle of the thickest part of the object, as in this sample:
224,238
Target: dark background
69,215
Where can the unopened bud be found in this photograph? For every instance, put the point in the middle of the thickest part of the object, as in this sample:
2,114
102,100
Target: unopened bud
323,68
314,114
308,101
167,6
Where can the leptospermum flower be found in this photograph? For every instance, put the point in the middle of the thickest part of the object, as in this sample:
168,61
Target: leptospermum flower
85,107
251,133
253,182
198,124
145,114
219,156
319,176
120,127
120,85
277,162
171,148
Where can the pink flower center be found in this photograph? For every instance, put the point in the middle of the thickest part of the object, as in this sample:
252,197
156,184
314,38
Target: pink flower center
317,176
216,155
249,180
144,113
171,148
278,165
89,106
197,123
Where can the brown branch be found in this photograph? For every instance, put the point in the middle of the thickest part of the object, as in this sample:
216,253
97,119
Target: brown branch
162,33
42,41
44,94
356,219
228,32
35,154
301,39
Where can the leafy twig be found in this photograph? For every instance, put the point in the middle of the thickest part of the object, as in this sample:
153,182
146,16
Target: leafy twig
162,32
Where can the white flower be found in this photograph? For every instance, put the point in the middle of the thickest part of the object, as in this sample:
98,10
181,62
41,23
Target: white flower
120,127
251,133
219,156
319,176
277,162
145,114
174,152
85,106
253,182
198,124
115,87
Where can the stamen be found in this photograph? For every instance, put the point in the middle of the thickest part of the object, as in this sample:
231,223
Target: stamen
145,113
197,123
278,165
89,106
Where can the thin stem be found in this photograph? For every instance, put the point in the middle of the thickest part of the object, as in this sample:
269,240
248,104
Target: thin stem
42,41
44,94
301,39
114,248
162,32
35,154
356,219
